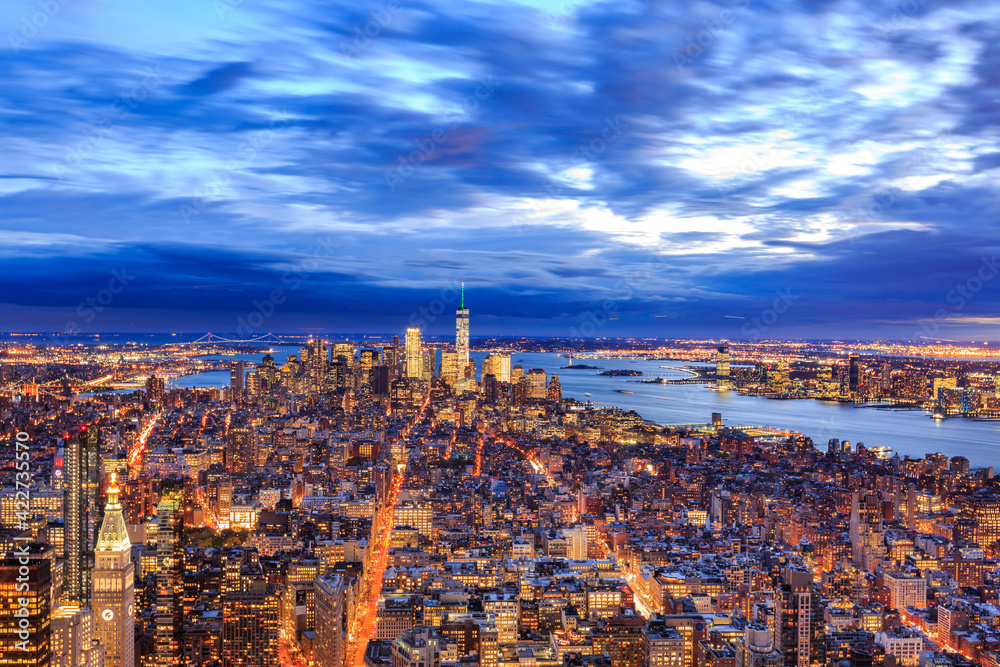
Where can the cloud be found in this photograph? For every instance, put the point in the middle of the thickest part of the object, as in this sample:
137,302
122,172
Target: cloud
675,159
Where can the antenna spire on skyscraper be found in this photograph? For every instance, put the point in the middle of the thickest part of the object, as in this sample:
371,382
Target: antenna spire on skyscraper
463,295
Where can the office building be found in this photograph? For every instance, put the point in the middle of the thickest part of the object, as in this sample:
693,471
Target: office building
170,575
462,333
25,609
82,462
798,620
237,380
113,586
329,647
73,640
414,354
250,625
722,362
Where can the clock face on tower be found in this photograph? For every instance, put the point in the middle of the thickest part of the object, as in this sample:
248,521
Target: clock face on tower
107,614
131,608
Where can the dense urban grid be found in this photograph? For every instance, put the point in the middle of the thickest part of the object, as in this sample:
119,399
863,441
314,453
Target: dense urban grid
393,505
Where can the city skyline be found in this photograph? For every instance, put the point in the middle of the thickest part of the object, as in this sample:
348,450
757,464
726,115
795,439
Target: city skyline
674,168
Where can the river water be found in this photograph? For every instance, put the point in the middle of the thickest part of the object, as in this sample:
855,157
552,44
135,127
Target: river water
907,432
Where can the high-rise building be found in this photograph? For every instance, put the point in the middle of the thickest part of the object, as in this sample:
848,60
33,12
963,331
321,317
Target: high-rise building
170,576
755,648
867,539
462,333
316,360
536,384
73,640
25,605
554,392
449,367
662,647
242,448
82,461
345,349
498,364
429,364
414,354
906,590
367,359
328,650
798,620
155,387
237,380
983,508
113,586
722,362
250,625
853,373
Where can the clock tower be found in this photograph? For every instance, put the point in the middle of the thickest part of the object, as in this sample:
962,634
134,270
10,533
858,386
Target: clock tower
112,588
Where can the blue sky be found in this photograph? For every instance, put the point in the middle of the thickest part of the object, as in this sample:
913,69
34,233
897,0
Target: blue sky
729,169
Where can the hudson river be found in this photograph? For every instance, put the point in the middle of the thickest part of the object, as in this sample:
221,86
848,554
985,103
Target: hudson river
905,431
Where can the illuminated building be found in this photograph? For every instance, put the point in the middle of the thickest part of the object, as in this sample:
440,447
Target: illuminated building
82,477
798,620
449,367
73,641
25,593
316,363
368,358
906,590
155,387
536,384
346,350
237,376
755,648
462,333
983,508
498,364
415,515
853,373
554,391
867,539
906,645
250,625
722,362
242,450
43,504
414,354
169,577
113,586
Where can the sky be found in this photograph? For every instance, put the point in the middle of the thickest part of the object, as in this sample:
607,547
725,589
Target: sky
733,169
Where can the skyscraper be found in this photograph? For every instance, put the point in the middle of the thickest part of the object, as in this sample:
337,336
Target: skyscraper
462,334
867,539
73,641
155,389
250,625
82,461
237,375
329,647
498,364
854,373
316,359
170,576
25,595
722,362
113,586
798,620
414,356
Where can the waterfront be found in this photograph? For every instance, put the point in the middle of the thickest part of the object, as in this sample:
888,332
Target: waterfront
907,432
